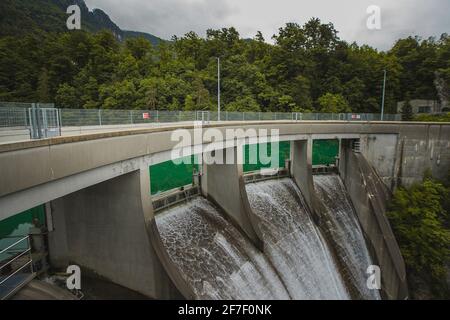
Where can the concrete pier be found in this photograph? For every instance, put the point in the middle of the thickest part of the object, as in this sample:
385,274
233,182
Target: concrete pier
224,185
102,228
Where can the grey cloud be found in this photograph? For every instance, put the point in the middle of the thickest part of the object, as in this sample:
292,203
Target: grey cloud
164,18
404,18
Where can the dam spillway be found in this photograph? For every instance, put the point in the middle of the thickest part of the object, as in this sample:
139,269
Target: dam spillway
346,233
213,259
293,243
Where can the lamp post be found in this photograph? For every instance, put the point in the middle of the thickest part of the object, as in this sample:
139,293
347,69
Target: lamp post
383,98
218,88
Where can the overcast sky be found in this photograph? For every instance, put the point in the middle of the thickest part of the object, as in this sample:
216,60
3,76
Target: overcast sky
165,18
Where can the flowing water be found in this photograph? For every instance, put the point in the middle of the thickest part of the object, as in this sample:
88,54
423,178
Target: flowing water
293,243
217,262
213,257
345,231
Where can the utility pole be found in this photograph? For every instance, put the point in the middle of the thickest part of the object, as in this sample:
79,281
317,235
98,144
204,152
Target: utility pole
218,89
384,94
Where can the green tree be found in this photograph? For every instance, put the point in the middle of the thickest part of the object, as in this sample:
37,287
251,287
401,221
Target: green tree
174,105
189,104
418,218
244,104
305,64
301,92
67,97
43,92
407,111
333,103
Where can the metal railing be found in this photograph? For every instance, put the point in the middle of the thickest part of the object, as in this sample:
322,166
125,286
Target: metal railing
16,266
75,117
22,118
14,118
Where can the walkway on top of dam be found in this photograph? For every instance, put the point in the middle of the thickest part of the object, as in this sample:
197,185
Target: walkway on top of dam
80,134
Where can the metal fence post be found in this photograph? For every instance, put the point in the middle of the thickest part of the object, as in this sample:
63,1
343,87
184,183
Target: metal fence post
60,111
25,117
100,116
58,116
35,121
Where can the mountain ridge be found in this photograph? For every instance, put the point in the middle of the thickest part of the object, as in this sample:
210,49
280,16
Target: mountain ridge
26,16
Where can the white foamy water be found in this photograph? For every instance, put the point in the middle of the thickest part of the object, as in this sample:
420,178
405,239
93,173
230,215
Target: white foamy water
346,231
293,243
213,257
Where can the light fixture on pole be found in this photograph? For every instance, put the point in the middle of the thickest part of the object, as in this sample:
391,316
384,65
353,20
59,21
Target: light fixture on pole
384,94
218,89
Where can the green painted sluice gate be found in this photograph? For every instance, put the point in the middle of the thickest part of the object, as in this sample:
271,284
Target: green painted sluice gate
168,175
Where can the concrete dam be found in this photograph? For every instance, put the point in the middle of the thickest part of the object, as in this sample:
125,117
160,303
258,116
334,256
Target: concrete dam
296,231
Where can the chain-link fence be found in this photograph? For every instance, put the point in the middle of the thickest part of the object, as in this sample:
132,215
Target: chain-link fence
19,117
70,117
14,118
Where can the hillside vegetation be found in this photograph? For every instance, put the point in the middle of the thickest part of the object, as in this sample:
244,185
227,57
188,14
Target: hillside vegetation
308,68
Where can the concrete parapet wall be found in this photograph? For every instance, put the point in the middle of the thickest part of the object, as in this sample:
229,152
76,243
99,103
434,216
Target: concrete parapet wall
9,135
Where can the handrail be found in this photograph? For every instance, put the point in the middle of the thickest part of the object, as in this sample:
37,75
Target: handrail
9,274
15,243
15,258
15,272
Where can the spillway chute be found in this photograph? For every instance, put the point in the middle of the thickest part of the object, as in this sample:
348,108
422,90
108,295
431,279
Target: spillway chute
208,258
292,241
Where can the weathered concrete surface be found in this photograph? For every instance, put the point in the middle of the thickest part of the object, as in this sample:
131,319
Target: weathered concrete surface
301,169
8,135
224,185
381,151
369,197
421,148
11,135
403,157
36,172
39,290
102,228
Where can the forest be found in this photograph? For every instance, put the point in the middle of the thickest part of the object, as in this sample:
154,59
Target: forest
305,68
420,218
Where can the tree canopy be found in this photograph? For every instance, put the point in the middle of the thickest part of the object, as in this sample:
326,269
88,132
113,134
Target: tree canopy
420,218
308,68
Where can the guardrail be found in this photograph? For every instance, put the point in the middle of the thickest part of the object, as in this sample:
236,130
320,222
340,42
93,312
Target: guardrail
16,266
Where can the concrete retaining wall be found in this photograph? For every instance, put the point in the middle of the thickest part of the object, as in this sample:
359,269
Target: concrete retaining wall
369,197
403,158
